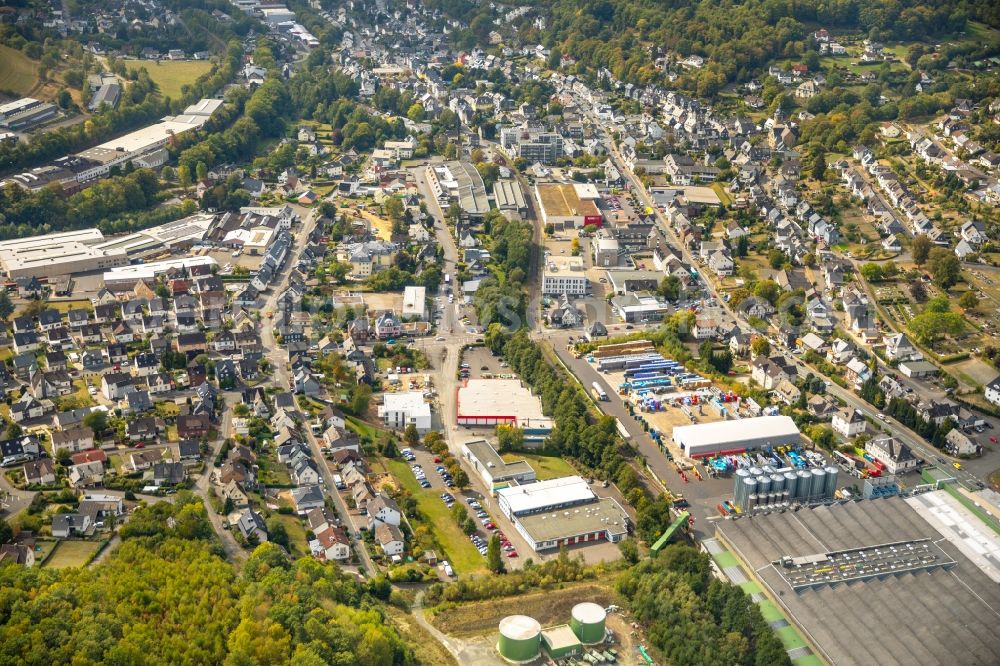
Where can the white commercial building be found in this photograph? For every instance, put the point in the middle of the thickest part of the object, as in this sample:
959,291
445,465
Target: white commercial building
493,468
58,254
492,402
146,140
564,275
415,302
562,512
399,410
179,234
129,275
722,437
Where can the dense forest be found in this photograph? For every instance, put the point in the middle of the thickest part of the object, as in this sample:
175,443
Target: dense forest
165,596
738,38
693,618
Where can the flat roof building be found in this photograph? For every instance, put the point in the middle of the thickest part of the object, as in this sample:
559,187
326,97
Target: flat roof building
886,581
415,302
706,439
568,206
399,410
179,234
601,520
494,469
126,276
52,255
491,402
564,275
546,495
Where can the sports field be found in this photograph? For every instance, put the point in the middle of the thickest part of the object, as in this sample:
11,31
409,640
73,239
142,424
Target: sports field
170,75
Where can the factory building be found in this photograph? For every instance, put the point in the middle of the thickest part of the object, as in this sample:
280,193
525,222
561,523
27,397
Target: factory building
459,182
492,402
564,275
509,197
728,437
569,206
58,254
494,470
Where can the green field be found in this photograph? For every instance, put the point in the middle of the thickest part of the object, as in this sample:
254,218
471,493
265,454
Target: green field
72,554
459,551
18,73
296,534
170,75
546,467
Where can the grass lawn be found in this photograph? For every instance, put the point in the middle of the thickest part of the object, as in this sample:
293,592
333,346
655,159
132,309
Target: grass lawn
458,550
66,306
546,467
19,73
724,196
117,462
296,534
71,554
170,75
362,429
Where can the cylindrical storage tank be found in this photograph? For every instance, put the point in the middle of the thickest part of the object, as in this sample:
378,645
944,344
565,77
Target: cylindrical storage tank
752,501
818,482
777,483
791,483
831,480
786,495
772,498
763,484
587,622
805,484
739,489
756,471
520,638
749,489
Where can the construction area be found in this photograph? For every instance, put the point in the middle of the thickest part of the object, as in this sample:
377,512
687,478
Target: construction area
888,581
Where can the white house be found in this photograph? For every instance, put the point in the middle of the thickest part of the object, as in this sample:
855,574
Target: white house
848,422
390,538
383,509
895,455
992,391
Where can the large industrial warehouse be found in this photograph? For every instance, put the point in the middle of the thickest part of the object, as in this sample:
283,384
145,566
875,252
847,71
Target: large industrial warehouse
562,512
569,206
58,254
887,581
492,402
727,437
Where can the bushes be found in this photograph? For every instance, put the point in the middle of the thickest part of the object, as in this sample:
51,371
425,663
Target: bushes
532,577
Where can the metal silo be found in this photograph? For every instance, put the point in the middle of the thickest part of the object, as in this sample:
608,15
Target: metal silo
818,482
772,498
777,483
749,489
831,480
739,487
791,483
751,502
756,471
786,497
763,484
805,484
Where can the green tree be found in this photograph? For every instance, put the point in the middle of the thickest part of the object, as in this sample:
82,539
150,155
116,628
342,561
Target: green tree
760,346
96,421
921,248
670,288
629,550
277,533
945,268
818,171
918,291
410,435
872,272
6,306
494,559
184,176
968,301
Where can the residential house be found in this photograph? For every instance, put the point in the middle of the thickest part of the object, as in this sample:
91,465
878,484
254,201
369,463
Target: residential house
193,426
307,497
894,454
74,439
334,545
39,472
86,474
251,525
65,525
383,510
390,539
168,473
848,422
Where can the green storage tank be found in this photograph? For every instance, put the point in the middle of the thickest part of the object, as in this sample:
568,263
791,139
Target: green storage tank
587,622
520,638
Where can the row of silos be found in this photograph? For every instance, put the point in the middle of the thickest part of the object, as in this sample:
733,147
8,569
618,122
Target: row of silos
757,486
521,636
